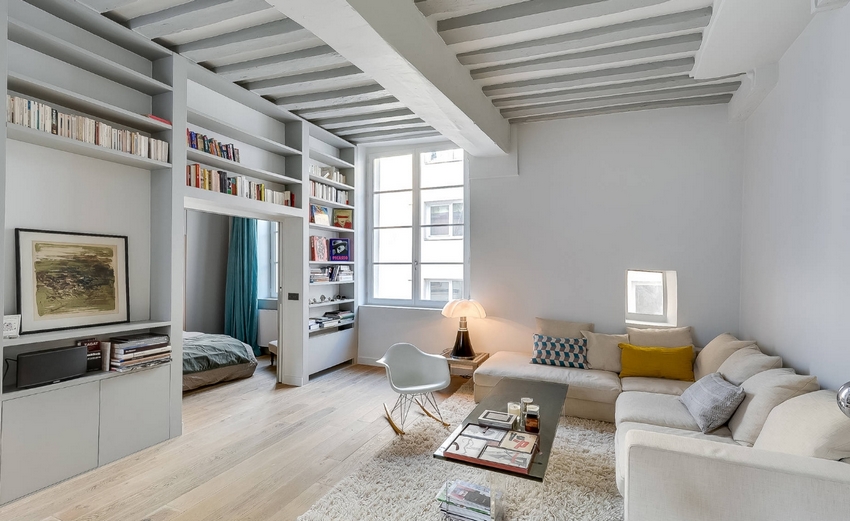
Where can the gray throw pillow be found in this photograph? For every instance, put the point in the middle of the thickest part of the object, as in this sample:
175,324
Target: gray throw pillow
712,401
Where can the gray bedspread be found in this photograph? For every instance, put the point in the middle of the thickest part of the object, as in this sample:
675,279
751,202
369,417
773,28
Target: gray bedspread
205,352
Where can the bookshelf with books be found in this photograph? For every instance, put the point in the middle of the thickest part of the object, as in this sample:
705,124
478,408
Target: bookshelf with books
88,146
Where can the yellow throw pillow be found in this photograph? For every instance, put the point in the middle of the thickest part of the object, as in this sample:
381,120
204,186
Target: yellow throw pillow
673,363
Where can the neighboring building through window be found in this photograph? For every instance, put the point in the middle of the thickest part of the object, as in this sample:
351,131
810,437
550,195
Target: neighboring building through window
651,297
417,227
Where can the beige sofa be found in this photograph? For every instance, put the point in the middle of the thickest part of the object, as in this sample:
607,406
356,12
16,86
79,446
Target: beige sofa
777,458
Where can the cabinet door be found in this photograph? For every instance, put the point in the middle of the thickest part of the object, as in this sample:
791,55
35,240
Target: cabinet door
133,412
48,437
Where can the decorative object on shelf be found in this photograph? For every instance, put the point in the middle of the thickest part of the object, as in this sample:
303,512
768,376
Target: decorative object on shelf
463,308
11,326
68,280
320,215
340,249
844,399
343,218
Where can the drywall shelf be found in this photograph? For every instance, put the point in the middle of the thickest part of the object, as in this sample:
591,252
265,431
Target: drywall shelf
341,186
325,202
220,163
232,131
329,160
83,332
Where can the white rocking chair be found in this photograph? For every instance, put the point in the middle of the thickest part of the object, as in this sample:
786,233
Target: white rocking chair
414,375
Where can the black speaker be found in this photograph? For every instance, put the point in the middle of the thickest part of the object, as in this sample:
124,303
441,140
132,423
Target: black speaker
51,366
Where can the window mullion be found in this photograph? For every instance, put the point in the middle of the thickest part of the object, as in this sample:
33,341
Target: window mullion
417,229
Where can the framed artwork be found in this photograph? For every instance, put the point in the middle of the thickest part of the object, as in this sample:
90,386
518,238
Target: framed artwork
342,218
340,250
69,280
11,326
320,215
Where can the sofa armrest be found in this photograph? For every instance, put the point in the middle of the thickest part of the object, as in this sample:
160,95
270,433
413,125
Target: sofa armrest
672,478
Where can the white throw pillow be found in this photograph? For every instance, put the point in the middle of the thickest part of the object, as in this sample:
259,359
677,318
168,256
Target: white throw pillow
746,363
603,351
662,337
716,352
808,425
765,391
562,328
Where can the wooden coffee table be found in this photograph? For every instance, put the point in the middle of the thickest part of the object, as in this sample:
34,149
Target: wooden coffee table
549,396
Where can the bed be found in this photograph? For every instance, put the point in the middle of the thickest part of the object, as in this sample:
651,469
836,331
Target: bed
210,359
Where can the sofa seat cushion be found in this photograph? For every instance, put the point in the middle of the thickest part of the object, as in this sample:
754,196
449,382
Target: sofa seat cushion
664,410
721,435
654,385
585,384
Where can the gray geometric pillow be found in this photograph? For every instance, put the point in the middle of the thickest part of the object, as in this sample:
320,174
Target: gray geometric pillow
712,401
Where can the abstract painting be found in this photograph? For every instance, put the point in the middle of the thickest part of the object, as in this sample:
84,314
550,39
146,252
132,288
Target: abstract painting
68,280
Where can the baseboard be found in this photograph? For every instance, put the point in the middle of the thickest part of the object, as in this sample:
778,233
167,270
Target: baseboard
362,360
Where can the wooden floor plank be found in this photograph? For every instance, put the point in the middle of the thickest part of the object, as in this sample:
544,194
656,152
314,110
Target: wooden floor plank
251,449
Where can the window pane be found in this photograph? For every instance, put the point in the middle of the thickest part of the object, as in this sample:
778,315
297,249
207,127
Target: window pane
393,209
451,274
645,292
444,168
437,246
437,214
457,217
440,197
393,173
393,245
392,281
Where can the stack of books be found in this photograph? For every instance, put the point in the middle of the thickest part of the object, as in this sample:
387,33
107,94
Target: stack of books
132,352
314,324
464,501
331,274
342,316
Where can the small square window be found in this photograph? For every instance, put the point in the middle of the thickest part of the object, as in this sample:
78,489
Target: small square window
651,297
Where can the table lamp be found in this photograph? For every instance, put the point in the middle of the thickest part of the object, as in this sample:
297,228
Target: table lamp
462,308
843,398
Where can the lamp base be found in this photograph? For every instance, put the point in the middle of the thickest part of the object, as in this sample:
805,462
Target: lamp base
462,349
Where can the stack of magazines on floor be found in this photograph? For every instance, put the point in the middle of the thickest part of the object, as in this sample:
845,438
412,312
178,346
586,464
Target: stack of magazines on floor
464,501
132,352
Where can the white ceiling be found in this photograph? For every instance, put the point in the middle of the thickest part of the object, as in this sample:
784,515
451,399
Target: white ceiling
416,69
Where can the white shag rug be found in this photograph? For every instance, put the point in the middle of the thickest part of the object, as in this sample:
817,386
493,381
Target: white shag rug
401,481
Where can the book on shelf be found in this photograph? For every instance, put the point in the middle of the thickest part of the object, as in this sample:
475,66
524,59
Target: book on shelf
330,173
340,314
143,352
211,146
331,274
318,248
129,343
157,118
43,117
139,361
94,356
340,249
342,218
328,193
320,215
219,181
465,500
507,450
152,363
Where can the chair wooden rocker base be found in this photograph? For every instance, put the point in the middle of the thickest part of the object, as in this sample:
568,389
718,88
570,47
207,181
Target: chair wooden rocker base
405,402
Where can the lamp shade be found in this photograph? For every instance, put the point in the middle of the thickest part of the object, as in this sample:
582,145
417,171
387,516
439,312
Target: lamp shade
463,308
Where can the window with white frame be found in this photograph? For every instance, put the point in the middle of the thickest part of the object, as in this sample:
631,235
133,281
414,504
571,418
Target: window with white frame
417,227
651,297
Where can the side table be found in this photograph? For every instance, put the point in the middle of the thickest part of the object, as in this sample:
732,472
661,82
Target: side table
469,365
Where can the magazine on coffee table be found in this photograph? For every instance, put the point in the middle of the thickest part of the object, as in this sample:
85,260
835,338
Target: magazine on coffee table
506,450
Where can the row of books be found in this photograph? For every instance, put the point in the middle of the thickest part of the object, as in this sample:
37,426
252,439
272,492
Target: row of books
465,501
328,193
219,181
330,319
331,274
333,249
43,117
127,353
211,146
328,172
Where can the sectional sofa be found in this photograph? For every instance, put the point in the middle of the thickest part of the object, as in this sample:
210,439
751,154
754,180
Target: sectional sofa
778,457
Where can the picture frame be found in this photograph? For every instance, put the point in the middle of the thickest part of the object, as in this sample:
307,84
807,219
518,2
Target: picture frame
11,326
342,218
68,280
340,249
320,215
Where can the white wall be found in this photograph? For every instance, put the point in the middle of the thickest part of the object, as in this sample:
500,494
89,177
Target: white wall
46,186
796,219
594,197
207,240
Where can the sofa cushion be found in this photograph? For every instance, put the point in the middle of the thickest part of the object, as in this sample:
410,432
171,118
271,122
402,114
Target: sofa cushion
712,401
603,351
745,363
660,337
716,352
562,328
654,385
585,384
560,352
654,409
808,425
675,363
765,391
721,435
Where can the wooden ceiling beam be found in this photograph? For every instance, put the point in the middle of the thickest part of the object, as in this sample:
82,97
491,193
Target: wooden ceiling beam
333,97
311,82
353,121
192,15
687,102
403,123
299,62
352,109
279,32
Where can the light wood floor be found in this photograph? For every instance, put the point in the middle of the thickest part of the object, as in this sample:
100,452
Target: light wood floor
250,450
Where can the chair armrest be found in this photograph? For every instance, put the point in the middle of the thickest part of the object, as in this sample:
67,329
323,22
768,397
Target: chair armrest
672,478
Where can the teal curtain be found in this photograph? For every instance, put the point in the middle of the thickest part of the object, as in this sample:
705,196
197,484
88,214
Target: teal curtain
240,307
